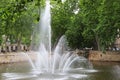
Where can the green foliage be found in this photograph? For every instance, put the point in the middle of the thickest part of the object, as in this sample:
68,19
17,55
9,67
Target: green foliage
95,25
86,23
17,18
62,14
74,32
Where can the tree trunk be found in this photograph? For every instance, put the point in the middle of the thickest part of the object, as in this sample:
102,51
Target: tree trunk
19,42
97,41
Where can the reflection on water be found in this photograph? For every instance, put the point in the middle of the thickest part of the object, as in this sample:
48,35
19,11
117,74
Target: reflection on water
107,71
22,71
116,71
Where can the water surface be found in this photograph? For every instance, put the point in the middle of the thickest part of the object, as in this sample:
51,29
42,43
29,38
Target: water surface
23,71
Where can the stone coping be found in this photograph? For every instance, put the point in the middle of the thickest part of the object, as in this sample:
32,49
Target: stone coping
107,56
16,57
93,56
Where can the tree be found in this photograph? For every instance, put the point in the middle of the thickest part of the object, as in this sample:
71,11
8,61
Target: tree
108,22
17,20
100,21
90,19
62,13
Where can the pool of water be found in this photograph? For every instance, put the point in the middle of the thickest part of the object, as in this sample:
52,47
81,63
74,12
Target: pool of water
23,71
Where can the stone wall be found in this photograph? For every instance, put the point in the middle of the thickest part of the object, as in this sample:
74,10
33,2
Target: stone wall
16,57
93,56
108,56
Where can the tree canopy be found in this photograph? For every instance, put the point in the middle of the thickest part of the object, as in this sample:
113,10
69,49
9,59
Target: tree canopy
86,23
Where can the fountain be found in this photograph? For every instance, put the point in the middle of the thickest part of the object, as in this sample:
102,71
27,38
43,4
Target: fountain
57,64
59,58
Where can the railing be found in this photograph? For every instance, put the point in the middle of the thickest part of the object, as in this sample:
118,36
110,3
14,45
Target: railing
13,48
